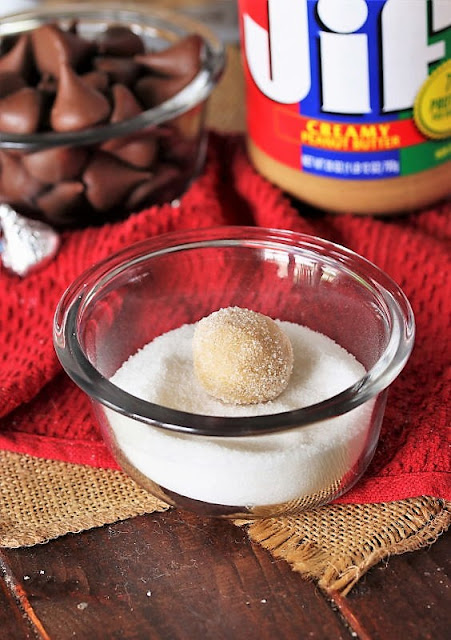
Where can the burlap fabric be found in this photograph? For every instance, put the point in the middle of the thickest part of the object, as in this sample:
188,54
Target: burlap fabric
335,545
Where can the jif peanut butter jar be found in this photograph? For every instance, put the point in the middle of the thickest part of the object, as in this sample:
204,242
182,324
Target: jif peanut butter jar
349,101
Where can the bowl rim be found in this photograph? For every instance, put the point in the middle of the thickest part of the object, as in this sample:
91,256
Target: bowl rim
195,92
79,294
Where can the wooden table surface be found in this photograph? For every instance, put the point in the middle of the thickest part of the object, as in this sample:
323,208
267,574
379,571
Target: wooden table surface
175,576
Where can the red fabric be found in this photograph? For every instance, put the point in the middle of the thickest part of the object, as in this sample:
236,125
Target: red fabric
43,414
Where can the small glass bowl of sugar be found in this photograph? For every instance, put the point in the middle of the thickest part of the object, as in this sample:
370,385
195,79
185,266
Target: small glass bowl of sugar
124,332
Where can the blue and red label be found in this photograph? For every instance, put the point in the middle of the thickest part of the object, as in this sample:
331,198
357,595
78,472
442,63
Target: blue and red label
355,89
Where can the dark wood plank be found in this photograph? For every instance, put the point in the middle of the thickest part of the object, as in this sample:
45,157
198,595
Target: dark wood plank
17,618
407,597
170,576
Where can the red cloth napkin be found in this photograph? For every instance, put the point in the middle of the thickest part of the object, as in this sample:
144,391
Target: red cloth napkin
42,413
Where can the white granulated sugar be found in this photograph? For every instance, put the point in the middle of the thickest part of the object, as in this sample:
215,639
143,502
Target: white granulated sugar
250,471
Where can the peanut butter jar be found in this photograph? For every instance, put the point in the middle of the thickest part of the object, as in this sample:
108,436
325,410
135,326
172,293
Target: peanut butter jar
349,101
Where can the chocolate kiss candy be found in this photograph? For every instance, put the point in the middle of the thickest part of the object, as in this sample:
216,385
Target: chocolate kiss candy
180,149
20,112
52,47
125,105
139,153
108,181
27,244
60,204
17,58
123,70
146,191
76,105
10,82
56,164
97,80
153,90
118,40
18,186
182,59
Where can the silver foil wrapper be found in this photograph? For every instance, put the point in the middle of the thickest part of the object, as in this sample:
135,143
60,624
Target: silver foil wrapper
26,244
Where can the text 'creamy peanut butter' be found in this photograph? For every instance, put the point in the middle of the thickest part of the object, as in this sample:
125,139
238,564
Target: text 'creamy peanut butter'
349,101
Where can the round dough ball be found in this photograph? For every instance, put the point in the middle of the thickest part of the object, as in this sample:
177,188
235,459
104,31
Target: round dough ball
241,356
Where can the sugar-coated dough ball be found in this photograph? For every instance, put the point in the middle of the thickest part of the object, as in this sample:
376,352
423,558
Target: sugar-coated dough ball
241,356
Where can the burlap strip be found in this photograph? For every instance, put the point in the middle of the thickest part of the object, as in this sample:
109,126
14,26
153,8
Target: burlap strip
44,499
336,545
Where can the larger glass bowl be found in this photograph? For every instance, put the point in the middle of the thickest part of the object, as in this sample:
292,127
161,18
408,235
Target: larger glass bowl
61,191
246,466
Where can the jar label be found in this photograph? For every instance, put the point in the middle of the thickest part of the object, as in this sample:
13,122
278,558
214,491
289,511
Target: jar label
349,89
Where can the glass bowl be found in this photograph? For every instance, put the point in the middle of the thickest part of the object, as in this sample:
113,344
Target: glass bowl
245,466
106,171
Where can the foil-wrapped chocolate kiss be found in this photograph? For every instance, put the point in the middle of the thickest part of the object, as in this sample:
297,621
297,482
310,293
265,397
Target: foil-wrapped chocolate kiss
25,244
